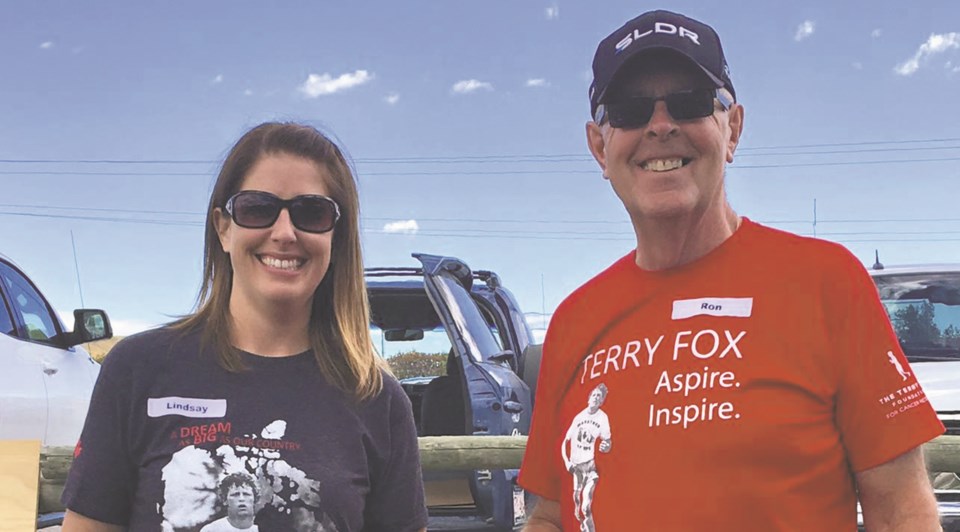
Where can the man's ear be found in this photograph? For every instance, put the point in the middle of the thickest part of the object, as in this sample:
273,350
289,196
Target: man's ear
735,121
221,221
596,144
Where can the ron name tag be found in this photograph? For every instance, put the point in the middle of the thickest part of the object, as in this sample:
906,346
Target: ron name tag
735,307
186,407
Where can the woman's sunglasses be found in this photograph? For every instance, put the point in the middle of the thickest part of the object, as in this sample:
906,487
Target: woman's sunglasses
255,209
637,111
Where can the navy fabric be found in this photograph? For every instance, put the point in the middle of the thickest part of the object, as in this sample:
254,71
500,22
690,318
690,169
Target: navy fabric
305,455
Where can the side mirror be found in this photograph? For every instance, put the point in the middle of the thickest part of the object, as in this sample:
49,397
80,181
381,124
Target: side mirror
403,335
89,325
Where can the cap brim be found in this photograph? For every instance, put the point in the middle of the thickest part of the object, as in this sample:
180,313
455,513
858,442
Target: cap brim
646,51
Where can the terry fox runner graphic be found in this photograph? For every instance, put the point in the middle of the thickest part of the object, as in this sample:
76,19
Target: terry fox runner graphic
590,425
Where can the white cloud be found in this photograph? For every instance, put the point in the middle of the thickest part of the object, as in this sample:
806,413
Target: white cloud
218,79
553,12
248,92
936,44
46,45
804,30
858,65
471,85
324,84
538,82
408,227
876,33
392,98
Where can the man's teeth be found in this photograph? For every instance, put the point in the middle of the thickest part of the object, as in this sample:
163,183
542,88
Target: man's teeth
661,165
292,264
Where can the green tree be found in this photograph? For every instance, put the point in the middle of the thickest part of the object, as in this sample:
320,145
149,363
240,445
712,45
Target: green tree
915,325
417,364
951,336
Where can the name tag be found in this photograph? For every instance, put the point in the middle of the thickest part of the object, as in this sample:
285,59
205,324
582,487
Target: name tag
737,307
186,407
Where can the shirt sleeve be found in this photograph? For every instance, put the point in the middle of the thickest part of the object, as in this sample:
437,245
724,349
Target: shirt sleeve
396,499
101,481
539,472
881,409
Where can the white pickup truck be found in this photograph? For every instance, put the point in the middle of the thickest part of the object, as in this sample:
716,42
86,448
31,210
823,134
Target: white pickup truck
46,377
923,302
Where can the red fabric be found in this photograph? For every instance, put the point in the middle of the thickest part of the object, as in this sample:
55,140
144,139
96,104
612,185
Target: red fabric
795,393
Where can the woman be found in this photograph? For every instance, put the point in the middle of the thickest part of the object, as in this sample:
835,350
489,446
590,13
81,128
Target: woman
273,379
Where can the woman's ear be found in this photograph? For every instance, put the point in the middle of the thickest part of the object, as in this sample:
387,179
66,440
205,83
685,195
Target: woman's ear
222,223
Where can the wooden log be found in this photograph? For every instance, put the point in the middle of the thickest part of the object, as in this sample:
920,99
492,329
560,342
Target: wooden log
54,466
943,454
450,453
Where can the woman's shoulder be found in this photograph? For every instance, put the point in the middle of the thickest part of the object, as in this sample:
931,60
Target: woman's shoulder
392,390
148,348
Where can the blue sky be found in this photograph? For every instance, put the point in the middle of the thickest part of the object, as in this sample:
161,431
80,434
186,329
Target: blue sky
465,123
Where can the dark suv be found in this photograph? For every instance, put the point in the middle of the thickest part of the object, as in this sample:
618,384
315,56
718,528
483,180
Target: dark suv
445,307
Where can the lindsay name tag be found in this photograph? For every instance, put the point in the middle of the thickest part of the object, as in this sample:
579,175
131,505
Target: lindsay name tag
186,407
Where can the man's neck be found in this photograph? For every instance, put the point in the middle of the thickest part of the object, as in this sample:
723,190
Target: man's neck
668,243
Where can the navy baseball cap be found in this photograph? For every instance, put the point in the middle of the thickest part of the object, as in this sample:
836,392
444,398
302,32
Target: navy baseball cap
658,30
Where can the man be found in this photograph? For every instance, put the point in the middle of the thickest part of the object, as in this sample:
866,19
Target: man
589,426
750,387
238,493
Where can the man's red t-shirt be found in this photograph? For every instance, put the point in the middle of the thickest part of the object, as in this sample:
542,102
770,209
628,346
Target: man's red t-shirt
740,392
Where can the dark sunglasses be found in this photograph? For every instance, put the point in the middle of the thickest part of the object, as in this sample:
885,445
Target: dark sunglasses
255,209
637,111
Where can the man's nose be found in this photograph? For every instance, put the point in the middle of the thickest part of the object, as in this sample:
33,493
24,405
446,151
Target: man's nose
661,123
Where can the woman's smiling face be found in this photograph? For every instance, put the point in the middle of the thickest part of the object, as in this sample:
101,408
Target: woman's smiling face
278,265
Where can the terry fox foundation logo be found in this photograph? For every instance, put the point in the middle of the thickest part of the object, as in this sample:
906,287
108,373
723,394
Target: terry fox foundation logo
588,427
898,366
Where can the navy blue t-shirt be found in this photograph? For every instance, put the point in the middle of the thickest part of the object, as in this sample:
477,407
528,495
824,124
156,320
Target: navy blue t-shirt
174,442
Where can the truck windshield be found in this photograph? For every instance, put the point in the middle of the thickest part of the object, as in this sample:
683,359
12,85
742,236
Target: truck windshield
924,309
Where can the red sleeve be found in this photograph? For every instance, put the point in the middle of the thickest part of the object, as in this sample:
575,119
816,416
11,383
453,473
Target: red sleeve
541,466
882,412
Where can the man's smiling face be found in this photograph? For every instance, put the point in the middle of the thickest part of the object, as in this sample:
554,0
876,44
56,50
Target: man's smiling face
666,168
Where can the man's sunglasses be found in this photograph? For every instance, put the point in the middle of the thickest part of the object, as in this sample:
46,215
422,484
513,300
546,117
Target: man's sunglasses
255,209
637,111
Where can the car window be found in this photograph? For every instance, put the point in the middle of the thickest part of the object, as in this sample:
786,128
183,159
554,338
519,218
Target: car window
6,321
473,328
435,341
498,336
29,305
925,312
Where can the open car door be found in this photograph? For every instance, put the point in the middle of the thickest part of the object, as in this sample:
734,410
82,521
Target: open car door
496,400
